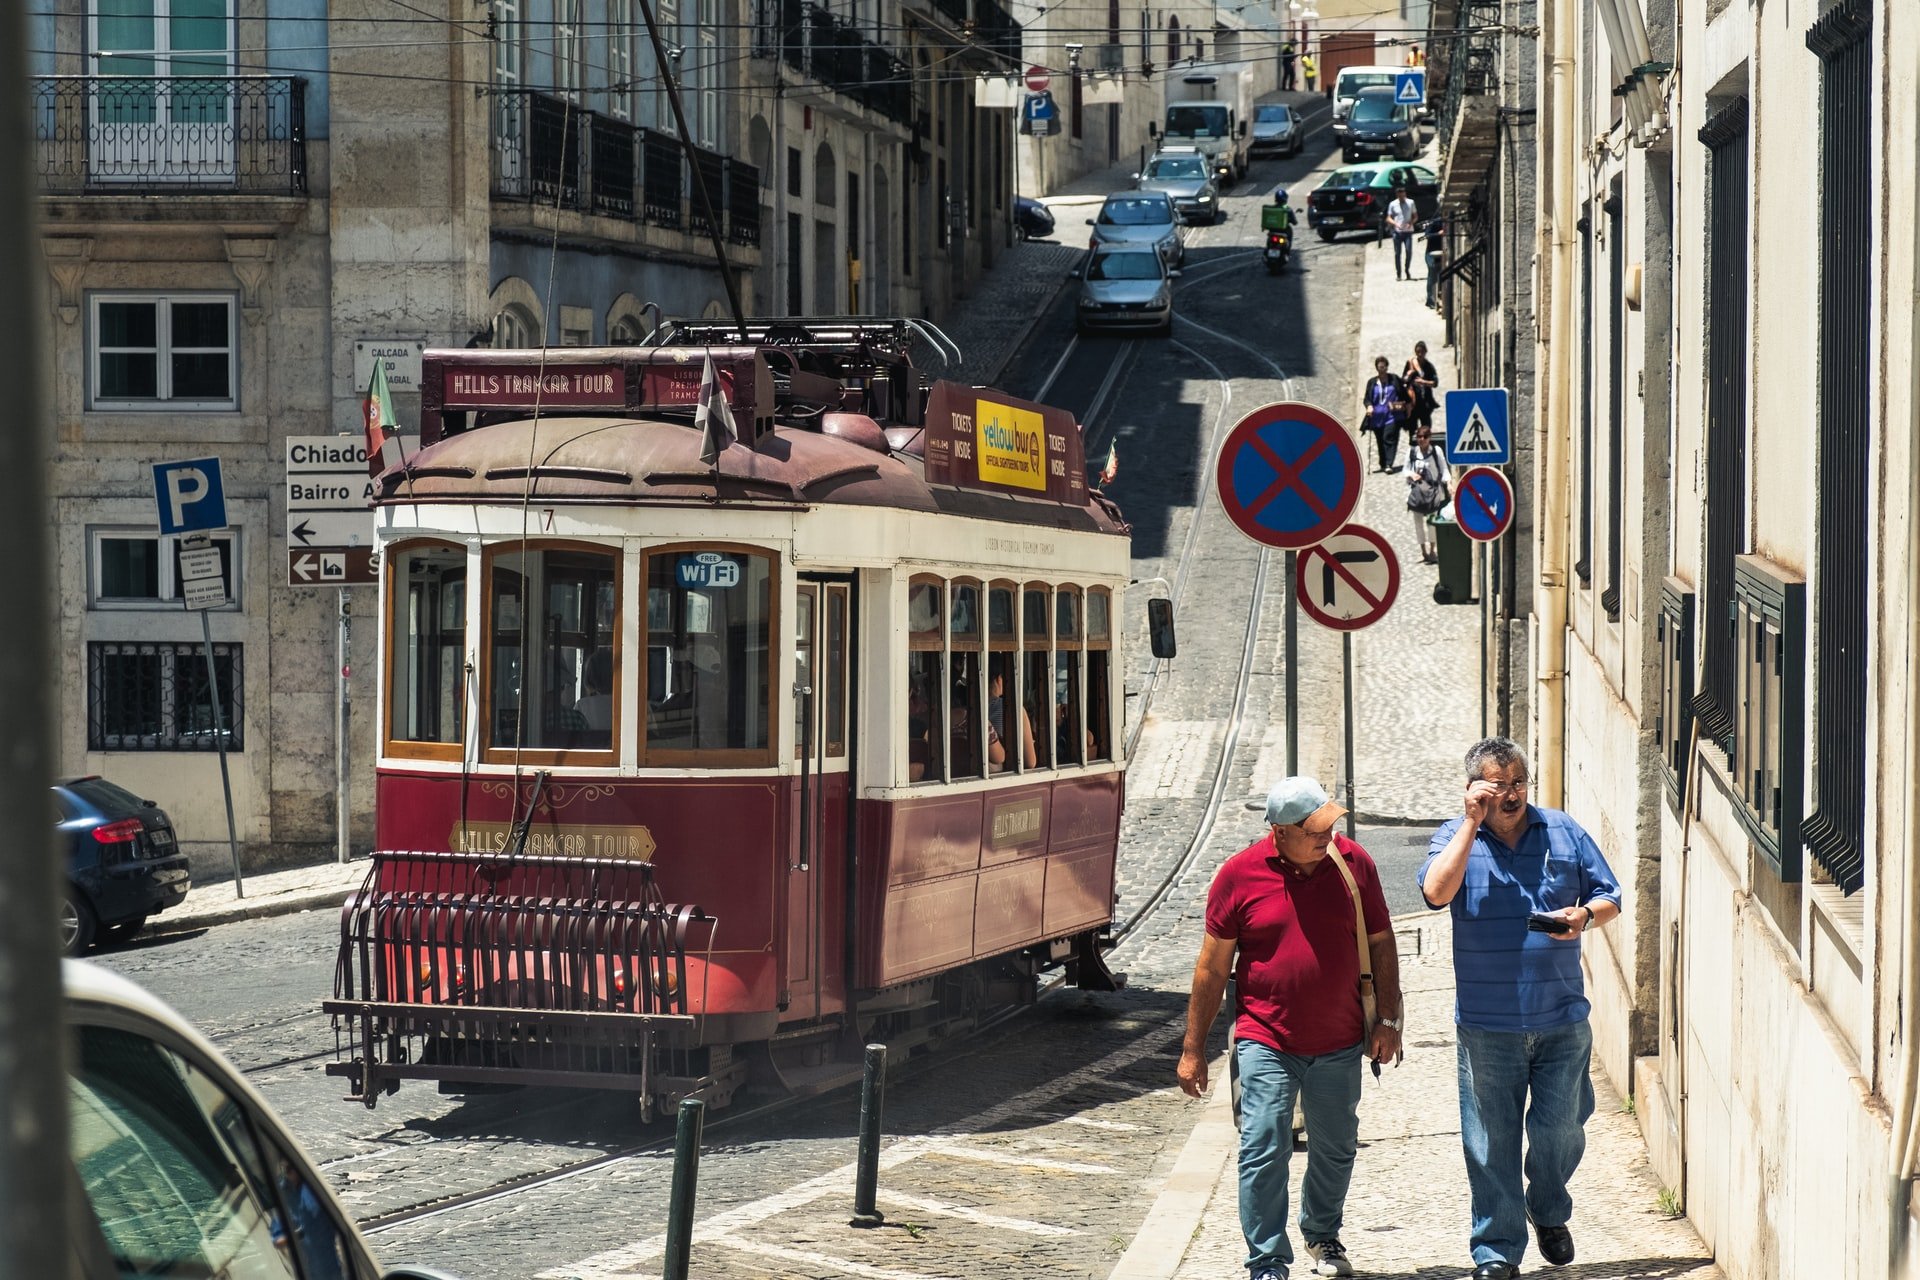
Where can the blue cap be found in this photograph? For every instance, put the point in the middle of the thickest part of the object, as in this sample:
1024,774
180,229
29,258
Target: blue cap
1302,802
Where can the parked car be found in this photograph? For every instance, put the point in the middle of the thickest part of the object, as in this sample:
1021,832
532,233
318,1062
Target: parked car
184,1169
123,862
1355,197
1187,179
1277,130
1140,218
1126,287
1378,126
1031,219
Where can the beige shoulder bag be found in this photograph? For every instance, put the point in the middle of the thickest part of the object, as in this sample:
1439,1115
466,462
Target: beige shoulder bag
1369,1006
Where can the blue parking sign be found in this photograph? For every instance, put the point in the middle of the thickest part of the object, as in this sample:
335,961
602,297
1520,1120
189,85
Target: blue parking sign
189,496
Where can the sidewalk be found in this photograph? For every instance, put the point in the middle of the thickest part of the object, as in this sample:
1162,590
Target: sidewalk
320,887
1407,1214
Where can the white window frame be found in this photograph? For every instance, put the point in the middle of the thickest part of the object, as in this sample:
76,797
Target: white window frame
163,400
168,586
567,15
620,36
163,52
514,329
508,64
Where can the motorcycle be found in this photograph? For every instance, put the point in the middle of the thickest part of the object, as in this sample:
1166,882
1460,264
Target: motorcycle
1279,249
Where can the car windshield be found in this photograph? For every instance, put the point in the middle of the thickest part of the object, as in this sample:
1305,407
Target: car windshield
1136,212
1180,167
1273,113
1209,119
1352,83
1124,266
1374,106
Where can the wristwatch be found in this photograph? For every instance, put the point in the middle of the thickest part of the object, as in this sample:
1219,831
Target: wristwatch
1589,910
1395,1023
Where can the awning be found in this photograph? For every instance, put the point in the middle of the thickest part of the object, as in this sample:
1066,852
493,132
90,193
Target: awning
1465,259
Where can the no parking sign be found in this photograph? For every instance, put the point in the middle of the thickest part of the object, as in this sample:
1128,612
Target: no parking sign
1289,475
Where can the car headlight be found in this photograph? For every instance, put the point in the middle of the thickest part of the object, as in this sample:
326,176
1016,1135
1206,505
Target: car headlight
1162,299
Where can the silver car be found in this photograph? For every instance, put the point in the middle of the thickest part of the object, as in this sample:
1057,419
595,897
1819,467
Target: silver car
1126,287
1187,179
1276,129
1141,219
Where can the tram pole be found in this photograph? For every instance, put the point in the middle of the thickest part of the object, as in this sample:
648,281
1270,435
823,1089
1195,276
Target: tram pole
33,1090
686,1179
866,1178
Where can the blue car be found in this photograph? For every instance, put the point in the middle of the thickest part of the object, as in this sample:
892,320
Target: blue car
1031,219
123,862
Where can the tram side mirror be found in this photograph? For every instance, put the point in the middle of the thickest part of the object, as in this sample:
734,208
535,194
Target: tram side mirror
1160,628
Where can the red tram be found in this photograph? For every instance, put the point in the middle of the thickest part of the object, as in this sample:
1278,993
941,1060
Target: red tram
691,774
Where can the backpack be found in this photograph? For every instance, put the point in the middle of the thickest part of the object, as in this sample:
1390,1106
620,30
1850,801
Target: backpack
1428,492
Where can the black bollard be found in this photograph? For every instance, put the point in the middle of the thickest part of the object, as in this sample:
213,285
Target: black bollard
686,1176
873,1097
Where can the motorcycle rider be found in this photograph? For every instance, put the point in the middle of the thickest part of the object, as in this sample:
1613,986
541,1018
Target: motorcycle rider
1280,237
1286,215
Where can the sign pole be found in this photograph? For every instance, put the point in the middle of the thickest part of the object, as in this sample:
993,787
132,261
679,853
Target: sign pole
1293,667
220,743
1346,689
1483,639
343,724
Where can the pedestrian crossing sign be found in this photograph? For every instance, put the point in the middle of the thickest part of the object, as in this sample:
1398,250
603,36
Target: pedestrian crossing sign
1479,431
1410,88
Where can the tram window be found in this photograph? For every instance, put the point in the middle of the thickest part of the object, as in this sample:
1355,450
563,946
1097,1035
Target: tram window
924,613
925,704
1000,616
1037,704
967,746
426,695
1099,674
538,661
1033,619
1003,692
709,619
836,672
1069,733
1099,615
965,628
804,675
1066,609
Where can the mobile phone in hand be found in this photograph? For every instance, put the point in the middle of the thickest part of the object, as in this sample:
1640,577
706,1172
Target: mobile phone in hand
1541,922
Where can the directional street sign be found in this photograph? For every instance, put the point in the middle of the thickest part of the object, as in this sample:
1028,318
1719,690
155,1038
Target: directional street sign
346,567
1479,430
1289,475
189,495
1483,504
328,492
1349,581
1410,89
1038,79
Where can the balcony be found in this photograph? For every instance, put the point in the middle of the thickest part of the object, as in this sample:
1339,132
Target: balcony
1467,113
150,135
825,47
995,30
549,152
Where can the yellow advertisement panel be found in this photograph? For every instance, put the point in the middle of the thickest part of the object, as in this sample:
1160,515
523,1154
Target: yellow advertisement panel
1012,445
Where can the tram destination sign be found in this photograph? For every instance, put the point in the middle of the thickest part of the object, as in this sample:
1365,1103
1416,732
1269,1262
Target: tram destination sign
596,386
984,440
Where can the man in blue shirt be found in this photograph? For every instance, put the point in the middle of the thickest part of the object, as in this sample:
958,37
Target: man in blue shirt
1524,884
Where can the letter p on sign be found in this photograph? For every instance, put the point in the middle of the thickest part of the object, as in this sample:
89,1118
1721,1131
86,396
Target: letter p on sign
189,495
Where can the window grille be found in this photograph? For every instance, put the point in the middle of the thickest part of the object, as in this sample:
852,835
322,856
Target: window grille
1616,398
1770,652
1673,722
152,696
1835,832
1584,565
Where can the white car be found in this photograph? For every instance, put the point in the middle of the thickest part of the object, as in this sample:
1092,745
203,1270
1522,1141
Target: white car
185,1169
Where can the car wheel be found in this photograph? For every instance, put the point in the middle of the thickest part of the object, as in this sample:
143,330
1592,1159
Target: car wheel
1021,233
124,931
77,923
1327,236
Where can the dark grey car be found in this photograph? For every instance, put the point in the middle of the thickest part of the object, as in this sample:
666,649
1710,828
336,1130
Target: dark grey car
1186,178
1141,219
1127,287
1276,129
1378,126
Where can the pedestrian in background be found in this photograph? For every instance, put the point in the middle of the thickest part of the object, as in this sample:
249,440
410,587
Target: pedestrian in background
1308,67
1384,404
1422,381
1286,66
1426,487
1401,216
1287,902
1436,246
1524,884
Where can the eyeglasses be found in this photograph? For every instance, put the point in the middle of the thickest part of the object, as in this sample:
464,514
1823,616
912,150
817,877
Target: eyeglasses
1506,788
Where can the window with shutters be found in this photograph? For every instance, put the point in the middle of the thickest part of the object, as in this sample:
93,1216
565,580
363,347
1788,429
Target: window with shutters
1835,833
1673,722
1770,653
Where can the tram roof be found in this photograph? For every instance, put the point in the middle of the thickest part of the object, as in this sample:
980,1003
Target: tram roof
629,461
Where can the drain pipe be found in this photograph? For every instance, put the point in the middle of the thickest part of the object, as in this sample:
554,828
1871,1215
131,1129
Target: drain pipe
1550,438
1906,1073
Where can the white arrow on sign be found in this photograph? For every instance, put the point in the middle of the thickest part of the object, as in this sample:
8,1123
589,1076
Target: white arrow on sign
320,566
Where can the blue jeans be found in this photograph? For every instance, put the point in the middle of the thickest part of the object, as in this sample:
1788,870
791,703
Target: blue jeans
1403,253
1329,1089
1498,1072
1434,259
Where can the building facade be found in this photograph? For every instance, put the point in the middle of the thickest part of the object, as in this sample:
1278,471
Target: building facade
1723,645
241,200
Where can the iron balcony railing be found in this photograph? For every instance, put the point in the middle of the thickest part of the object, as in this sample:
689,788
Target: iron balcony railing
182,135
995,30
551,152
823,46
1471,72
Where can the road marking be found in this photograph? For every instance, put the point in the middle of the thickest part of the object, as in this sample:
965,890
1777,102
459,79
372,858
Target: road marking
622,1261
987,1156
820,1260
1115,1126
944,1210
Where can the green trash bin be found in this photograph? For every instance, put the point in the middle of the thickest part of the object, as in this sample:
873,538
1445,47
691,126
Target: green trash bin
1456,559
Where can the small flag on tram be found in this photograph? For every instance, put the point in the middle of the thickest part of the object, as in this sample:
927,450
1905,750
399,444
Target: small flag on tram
383,431
1112,469
713,416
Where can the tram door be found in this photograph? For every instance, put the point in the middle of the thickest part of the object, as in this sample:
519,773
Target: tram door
823,798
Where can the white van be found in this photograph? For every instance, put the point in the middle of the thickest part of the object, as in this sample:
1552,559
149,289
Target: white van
1347,86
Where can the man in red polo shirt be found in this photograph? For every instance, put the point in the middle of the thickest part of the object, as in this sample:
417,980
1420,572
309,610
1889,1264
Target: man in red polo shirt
1285,906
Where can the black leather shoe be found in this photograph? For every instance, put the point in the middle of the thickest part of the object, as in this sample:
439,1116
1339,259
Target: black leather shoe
1556,1244
1495,1271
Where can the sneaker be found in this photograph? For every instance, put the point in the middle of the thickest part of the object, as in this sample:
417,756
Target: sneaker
1268,1273
1329,1258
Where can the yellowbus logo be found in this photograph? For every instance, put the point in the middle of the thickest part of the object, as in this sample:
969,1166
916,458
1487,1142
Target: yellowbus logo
1012,445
